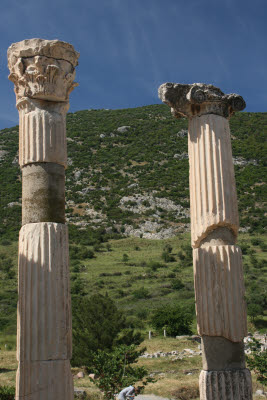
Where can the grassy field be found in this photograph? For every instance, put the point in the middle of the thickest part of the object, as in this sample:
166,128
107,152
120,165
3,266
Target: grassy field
173,378
134,274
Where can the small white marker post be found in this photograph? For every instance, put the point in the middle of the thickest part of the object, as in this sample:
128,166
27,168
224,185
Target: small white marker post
149,335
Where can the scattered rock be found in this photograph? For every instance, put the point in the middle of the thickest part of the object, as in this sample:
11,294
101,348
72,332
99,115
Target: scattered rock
16,159
3,153
196,338
77,174
174,354
242,162
123,129
182,133
14,203
140,203
79,393
182,156
260,393
80,375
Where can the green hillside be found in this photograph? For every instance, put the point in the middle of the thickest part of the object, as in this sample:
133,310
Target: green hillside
128,175
118,180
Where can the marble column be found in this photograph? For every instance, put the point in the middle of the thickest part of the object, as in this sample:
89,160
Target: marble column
43,73
218,273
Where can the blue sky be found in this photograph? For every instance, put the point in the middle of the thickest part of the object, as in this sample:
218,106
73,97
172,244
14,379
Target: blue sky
129,47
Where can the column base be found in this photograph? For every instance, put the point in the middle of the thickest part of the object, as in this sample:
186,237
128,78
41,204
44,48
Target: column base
225,385
44,380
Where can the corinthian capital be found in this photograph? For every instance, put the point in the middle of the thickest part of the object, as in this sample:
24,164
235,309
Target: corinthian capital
42,69
199,99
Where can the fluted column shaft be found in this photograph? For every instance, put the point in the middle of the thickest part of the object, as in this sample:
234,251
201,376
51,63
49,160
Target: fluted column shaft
213,201
43,73
218,272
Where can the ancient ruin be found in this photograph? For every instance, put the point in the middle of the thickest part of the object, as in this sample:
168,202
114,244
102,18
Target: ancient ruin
218,274
43,72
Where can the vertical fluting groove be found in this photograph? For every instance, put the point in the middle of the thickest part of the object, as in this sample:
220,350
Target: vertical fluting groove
225,291
42,137
219,292
212,182
225,385
205,183
191,174
44,299
44,131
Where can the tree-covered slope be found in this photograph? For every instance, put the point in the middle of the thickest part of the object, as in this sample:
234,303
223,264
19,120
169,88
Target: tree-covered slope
128,171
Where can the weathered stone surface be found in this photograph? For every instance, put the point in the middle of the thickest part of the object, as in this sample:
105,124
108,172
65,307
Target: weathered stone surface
225,385
219,291
44,310
44,380
42,132
213,200
43,73
42,69
43,193
198,99
219,286
219,237
219,353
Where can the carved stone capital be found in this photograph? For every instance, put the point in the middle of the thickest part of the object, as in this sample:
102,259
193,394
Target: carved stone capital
199,99
42,69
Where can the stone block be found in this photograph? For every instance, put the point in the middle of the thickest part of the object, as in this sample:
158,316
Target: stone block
219,353
225,385
219,291
42,132
213,200
43,193
44,304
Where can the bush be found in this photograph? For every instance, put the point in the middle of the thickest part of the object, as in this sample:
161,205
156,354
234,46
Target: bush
116,370
97,324
177,284
153,265
7,392
141,293
257,361
175,319
125,258
167,257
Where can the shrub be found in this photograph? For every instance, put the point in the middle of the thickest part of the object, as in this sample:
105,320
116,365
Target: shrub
167,257
257,361
177,284
97,324
153,265
7,392
141,293
125,258
142,314
175,319
116,370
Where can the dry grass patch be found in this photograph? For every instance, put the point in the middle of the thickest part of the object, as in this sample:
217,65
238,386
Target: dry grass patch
8,367
168,344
